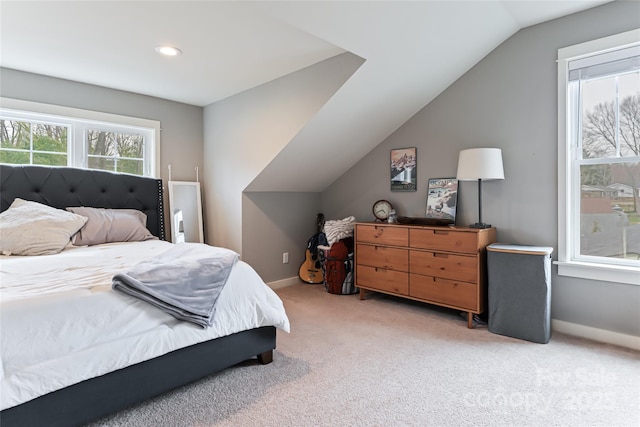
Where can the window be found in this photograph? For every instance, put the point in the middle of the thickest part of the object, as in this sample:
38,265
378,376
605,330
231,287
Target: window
42,134
33,143
599,159
115,151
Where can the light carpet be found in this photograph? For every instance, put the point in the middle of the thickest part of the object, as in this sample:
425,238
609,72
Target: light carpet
391,362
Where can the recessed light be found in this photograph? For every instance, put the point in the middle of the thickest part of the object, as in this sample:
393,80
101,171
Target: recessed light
168,50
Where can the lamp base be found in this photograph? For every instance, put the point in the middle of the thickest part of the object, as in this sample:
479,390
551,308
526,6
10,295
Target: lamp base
480,225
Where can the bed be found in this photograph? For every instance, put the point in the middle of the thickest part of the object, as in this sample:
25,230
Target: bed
108,350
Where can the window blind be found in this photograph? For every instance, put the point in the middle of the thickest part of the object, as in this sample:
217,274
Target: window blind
605,64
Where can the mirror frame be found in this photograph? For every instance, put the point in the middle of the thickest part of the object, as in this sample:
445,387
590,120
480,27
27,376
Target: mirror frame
176,191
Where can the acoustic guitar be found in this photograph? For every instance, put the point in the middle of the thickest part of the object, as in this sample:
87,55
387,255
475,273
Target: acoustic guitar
311,269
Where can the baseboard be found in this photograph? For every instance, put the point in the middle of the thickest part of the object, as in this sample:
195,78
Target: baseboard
595,334
284,282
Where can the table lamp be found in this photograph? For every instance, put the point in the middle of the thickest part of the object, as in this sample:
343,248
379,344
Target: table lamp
482,164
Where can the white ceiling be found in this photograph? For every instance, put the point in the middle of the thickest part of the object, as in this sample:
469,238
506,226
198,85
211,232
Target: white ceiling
413,51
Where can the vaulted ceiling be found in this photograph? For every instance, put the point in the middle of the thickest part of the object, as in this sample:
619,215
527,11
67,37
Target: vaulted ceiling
412,51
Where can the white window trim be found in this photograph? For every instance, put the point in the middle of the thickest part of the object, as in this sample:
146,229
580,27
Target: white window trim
103,120
566,266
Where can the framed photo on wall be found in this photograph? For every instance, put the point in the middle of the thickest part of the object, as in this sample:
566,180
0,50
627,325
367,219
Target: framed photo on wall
404,170
442,199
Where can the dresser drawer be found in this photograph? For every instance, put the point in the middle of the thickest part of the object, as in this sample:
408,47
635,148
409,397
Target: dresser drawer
382,235
382,256
396,282
443,265
444,240
448,292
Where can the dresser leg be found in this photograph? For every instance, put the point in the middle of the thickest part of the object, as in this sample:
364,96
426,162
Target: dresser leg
361,294
469,320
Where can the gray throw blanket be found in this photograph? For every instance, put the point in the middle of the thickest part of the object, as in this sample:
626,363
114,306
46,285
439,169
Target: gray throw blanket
184,281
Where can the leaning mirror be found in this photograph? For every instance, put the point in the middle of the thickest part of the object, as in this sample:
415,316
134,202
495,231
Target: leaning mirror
185,207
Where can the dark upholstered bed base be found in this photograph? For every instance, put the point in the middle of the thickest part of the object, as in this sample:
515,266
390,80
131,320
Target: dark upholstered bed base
101,396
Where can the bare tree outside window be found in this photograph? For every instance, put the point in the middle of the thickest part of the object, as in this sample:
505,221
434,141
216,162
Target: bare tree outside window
610,170
117,152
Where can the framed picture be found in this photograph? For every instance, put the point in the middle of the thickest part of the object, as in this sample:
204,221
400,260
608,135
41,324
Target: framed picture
404,171
442,199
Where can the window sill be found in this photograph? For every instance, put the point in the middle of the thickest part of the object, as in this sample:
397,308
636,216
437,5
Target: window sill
603,272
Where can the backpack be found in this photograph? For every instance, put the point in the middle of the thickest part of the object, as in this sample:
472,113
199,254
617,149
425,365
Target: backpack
338,268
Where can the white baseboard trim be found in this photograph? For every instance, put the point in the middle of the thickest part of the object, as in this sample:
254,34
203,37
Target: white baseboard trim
595,334
284,282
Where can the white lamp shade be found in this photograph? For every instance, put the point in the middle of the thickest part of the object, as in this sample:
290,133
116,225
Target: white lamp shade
480,163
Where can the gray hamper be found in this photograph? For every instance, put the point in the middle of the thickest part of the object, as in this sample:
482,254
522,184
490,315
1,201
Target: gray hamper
520,291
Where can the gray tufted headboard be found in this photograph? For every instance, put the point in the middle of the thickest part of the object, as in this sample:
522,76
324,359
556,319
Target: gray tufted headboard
64,187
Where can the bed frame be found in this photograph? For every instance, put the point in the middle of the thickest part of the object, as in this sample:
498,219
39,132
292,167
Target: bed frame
103,395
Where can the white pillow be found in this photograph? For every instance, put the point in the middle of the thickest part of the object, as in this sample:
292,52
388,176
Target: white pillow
31,228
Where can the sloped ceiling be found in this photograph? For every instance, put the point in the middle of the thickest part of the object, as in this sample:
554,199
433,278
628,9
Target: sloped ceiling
412,51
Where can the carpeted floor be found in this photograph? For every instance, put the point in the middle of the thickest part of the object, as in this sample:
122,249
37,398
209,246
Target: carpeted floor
391,362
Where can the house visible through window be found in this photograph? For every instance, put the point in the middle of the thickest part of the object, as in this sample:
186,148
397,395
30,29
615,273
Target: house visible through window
600,157
121,144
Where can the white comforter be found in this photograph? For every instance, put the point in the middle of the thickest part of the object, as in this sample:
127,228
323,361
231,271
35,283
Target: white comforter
61,323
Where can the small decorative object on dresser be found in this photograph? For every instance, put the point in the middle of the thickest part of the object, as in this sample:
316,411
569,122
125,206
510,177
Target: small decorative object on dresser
442,198
445,266
381,210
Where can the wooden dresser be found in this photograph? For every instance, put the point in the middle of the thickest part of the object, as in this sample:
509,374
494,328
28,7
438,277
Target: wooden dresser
445,266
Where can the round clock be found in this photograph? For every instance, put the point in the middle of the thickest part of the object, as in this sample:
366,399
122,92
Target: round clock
382,209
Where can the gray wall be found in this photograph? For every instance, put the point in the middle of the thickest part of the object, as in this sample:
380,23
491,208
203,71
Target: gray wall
277,222
243,134
508,101
181,138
